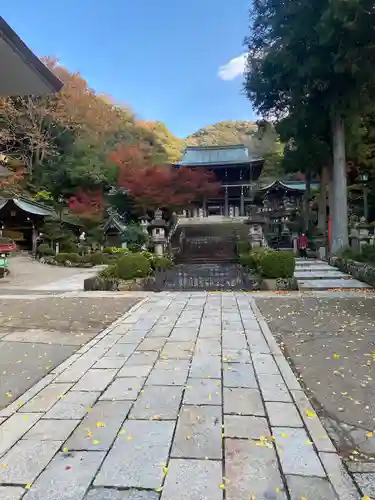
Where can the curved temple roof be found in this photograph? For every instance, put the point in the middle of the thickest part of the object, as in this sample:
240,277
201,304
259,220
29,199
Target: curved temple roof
235,154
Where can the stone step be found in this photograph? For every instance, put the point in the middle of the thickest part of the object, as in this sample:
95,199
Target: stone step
329,284
320,274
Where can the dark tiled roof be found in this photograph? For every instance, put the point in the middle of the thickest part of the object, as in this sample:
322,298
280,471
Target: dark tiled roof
214,155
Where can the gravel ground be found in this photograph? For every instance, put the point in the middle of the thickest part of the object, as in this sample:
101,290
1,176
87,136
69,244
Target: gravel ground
37,335
331,345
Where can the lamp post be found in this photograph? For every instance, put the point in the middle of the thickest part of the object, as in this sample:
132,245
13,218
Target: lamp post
363,177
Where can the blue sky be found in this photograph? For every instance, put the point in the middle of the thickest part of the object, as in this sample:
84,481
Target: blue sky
161,58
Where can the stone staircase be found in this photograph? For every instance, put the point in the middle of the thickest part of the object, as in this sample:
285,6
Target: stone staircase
209,249
317,275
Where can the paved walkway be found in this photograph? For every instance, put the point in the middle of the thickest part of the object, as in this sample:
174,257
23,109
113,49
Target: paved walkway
29,274
318,275
187,397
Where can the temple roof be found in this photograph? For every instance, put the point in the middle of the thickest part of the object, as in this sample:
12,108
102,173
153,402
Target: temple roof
29,206
115,221
235,154
23,73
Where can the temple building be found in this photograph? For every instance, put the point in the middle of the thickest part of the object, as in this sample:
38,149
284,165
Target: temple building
236,170
241,192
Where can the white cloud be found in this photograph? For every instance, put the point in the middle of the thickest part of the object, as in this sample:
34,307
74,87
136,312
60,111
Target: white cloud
235,67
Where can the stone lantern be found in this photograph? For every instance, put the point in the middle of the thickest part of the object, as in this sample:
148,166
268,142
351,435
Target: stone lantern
158,237
256,222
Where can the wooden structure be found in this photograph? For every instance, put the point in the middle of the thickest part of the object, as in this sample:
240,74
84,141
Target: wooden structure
21,220
234,168
22,72
113,229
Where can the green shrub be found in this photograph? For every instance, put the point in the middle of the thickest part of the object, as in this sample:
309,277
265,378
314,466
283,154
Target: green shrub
275,264
150,256
133,266
115,250
98,258
243,247
252,260
161,262
368,253
247,260
45,250
68,247
72,257
109,272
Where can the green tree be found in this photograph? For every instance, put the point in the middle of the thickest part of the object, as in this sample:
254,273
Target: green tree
317,55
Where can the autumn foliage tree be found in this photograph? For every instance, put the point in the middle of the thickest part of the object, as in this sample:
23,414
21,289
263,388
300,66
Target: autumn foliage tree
89,205
153,186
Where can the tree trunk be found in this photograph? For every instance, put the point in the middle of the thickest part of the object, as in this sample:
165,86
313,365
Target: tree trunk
306,203
339,199
322,200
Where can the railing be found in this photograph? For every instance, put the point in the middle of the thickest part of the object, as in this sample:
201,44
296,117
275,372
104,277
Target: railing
204,277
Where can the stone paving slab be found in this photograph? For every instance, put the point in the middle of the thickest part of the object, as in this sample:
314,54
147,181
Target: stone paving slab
26,460
243,401
315,488
137,413
296,452
111,494
123,389
198,433
193,480
137,456
67,477
11,492
99,428
203,392
159,402
253,471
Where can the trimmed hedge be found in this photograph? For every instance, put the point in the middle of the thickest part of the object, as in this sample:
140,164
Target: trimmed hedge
269,263
277,265
71,257
45,250
133,266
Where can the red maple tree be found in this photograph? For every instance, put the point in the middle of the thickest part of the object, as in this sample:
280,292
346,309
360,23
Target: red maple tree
152,186
89,205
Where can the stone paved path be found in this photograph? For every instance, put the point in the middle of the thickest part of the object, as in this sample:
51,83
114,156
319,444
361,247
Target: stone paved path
187,397
318,275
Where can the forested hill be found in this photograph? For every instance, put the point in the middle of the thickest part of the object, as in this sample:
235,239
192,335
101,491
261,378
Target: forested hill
263,143
221,133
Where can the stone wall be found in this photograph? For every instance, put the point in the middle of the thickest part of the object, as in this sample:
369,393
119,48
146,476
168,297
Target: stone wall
360,270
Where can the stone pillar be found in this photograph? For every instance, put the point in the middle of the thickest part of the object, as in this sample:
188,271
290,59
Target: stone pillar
34,239
226,209
204,207
340,201
159,249
231,211
242,203
201,213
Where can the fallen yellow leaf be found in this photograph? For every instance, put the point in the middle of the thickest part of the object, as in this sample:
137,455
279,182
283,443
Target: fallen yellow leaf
310,414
